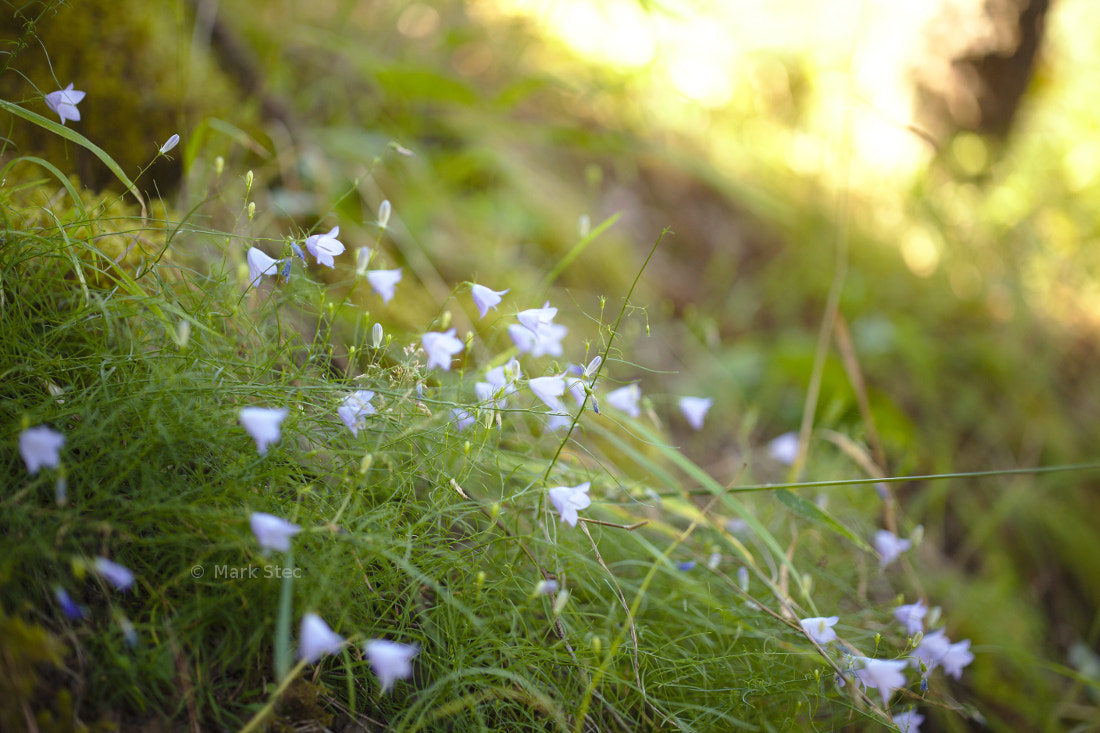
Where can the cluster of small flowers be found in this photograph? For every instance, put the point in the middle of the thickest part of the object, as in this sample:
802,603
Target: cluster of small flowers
887,675
534,334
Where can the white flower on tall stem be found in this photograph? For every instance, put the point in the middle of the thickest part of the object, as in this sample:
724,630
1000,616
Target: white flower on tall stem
316,639
384,282
41,446
568,500
354,408
486,298
390,661
441,348
325,246
263,424
64,102
273,533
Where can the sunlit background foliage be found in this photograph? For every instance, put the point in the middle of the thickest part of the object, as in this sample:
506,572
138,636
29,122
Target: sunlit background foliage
785,149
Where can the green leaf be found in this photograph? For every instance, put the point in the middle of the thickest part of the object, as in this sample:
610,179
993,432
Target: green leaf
814,513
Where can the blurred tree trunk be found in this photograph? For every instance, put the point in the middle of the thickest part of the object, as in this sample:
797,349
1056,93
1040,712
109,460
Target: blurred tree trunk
980,57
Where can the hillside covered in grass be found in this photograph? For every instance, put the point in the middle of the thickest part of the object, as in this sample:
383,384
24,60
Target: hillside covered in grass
395,366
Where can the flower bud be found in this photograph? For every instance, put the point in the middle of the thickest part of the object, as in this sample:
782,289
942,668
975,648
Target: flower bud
169,144
376,335
219,166
248,177
384,211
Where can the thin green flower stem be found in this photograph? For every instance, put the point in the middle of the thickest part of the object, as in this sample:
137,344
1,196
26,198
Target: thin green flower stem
606,352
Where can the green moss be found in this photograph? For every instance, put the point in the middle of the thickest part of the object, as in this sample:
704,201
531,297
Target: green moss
140,90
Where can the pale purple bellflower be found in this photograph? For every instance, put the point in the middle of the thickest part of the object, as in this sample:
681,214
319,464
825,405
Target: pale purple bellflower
259,264
390,661
316,639
119,576
41,446
384,282
64,102
568,500
485,298
273,533
625,399
441,348
325,246
695,409
354,408
912,616
263,424
820,628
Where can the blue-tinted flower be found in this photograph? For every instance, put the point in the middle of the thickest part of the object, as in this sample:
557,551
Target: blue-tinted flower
390,661
625,399
784,448
912,616
549,390
354,408
263,424
686,565
695,409
259,264
889,547
64,102
325,246
536,333
298,252
316,639
169,144
820,628
441,348
485,298
273,533
41,446
462,419
935,648
546,588
384,282
909,721
119,576
69,607
499,383
885,675
568,500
